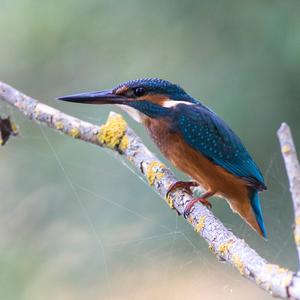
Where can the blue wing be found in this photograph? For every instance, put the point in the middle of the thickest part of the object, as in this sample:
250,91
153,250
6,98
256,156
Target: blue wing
203,130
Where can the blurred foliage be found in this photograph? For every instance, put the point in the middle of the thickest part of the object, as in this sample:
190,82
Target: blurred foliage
67,232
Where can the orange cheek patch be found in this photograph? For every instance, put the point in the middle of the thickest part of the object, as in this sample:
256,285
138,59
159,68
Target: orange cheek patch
157,98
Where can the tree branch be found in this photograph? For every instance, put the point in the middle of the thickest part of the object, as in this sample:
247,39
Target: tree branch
116,135
293,171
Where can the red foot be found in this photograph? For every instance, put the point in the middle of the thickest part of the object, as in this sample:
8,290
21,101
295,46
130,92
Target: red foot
186,185
191,204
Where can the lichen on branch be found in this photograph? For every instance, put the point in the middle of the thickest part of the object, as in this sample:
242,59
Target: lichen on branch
118,136
113,133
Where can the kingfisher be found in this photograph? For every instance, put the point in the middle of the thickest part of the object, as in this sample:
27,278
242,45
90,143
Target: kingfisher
194,139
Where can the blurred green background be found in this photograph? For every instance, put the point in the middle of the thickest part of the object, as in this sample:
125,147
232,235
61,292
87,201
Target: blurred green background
78,224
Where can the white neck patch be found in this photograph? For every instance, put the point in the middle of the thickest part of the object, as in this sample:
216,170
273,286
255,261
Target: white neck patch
139,116
172,103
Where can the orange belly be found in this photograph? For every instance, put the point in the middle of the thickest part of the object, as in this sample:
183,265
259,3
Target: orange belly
209,175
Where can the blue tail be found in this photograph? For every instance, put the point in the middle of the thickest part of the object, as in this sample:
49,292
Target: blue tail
255,204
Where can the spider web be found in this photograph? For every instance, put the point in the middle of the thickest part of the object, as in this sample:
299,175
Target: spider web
116,241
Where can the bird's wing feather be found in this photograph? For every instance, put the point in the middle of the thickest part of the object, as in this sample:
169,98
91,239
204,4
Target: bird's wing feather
203,130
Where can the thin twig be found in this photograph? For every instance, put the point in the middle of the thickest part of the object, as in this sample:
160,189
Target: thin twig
293,171
116,135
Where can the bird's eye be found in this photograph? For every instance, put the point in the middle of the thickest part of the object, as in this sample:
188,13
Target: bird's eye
139,91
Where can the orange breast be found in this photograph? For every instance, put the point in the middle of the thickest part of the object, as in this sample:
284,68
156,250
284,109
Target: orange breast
193,163
209,175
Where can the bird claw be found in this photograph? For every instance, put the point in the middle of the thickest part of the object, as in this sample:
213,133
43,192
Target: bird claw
186,185
191,204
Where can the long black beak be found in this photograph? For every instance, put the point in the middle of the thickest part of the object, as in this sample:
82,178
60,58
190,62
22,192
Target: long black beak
102,97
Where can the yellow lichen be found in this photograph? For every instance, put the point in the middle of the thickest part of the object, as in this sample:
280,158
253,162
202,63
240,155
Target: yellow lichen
286,149
74,132
271,268
14,127
297,239
238,263
1,142
211,247
201,223
59,125
124,143
190,219
112,133
225,247
36,113
274,269
170,201
281,270
154,172
287,279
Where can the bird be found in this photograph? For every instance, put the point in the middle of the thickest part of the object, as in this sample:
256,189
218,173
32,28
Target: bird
195,140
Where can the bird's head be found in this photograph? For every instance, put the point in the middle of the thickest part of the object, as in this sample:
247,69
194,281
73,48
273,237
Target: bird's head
150,96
